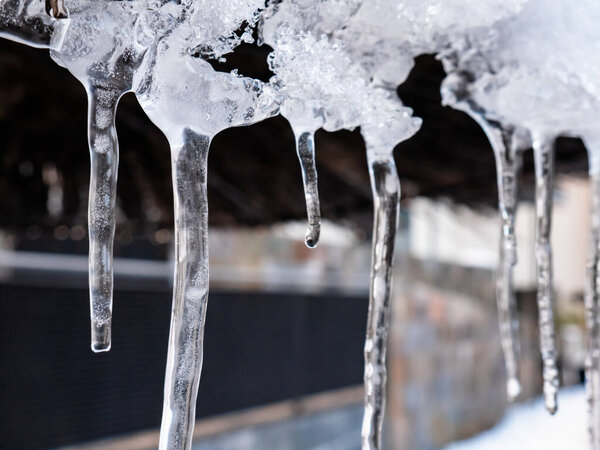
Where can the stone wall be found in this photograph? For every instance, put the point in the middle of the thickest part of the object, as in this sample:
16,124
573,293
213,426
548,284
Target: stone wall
446,371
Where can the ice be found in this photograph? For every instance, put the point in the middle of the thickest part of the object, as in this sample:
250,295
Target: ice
543,147
386,197
28,22
508,144
190,294
592,297
100,51
305,147
532,71
191,103
520,68
323,85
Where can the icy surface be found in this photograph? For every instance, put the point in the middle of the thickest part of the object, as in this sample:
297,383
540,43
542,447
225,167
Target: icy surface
532,70
28,22
520,68
386,197
591,300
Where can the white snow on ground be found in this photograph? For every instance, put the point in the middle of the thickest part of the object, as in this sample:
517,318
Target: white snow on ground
529,426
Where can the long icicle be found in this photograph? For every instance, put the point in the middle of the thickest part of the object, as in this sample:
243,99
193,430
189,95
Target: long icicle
592,299
305,147
508,164
543,147
506,143
190,296
386,196
104,158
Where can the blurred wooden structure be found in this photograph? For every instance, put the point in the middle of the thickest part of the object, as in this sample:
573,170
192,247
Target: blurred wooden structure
254,176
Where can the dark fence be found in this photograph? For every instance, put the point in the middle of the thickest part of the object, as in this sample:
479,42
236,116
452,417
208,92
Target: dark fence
259,348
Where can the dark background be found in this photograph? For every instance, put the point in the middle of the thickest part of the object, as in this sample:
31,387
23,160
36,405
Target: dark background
254,176
259,348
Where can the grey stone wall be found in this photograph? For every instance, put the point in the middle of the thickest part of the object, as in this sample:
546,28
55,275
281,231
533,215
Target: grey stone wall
446,378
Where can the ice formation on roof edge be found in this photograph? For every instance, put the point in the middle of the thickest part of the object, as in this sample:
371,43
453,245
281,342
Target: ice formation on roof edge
336,65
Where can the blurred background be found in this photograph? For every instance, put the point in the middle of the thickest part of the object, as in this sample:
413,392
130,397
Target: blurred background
285,327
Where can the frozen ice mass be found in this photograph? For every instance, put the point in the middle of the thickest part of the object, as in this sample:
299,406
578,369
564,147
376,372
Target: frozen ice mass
526,71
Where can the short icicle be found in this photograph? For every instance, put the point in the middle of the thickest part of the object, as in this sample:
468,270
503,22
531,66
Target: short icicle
543,148
190,296
508,164
104,158
592,299
305,147
386,196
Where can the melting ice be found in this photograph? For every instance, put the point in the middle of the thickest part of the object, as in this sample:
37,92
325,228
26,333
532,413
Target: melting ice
525,70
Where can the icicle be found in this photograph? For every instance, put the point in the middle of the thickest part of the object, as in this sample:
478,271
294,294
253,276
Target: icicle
592,298
56,9
104,158
305,147
184,360
27,22
386,195
544,161
506,143
508,163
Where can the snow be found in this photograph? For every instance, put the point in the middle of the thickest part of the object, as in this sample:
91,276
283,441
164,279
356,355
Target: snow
528,426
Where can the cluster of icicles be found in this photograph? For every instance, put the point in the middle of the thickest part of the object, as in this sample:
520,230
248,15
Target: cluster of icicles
525,70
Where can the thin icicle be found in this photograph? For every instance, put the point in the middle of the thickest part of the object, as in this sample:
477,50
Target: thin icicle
386,195
508,164
104,158
592,296
506,142
305,147
190,296
543,147
592,299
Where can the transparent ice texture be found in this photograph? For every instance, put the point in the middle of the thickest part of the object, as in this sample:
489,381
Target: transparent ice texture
507,143
320,85
100,51
543,149
183,91
28,22
386,35
216,28
305,148
191,103
535,69
592,296
386,200
189,157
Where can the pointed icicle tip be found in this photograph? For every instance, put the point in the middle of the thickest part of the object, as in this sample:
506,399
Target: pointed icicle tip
101,337
313,234
513,389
